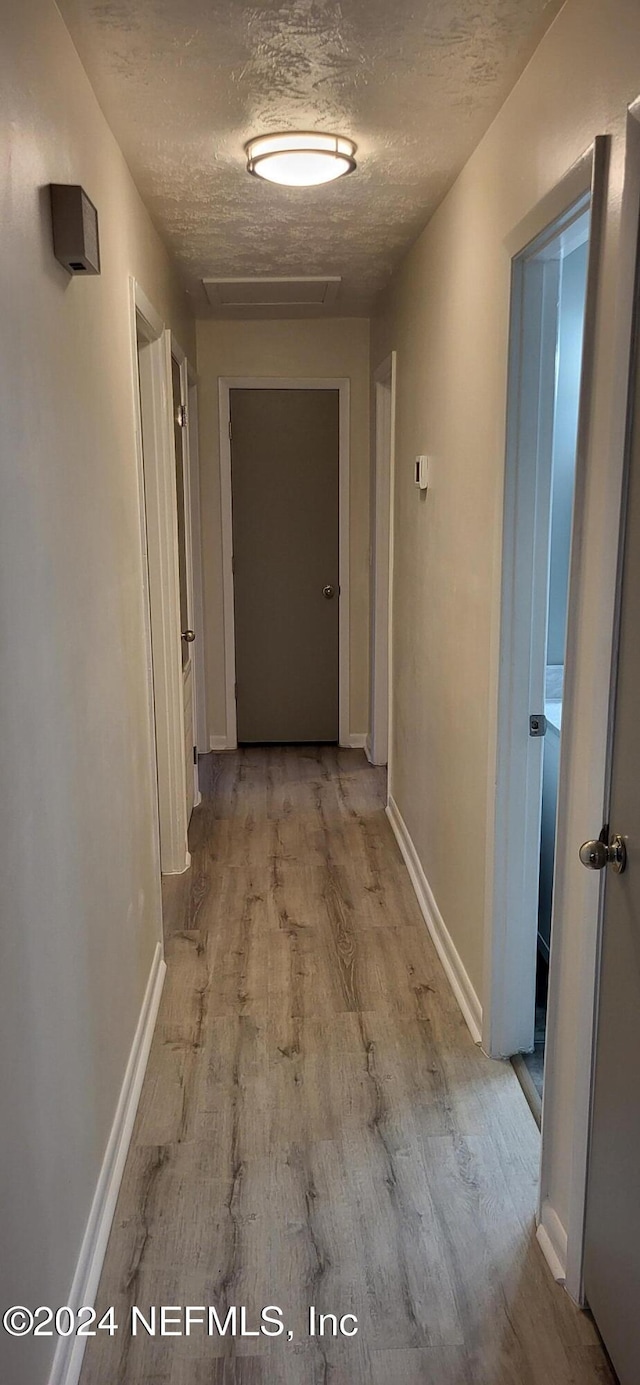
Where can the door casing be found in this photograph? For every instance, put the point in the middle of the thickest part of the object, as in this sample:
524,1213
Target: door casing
225,385
378,743
509,1019
583,800
513,849
200,709
159,540
191,502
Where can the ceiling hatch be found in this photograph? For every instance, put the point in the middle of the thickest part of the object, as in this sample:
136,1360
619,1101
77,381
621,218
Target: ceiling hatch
272,293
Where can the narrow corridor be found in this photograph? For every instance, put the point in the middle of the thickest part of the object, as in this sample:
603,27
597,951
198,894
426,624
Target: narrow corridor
316,1126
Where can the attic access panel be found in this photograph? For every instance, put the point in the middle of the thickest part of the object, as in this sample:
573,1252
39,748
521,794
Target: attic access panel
268,292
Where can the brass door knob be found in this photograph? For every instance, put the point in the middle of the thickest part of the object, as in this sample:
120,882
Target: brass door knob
188,636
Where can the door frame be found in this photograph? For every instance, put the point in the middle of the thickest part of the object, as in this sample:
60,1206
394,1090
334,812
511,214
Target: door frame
377,744
180,357
159,542
200,709
585,752
225,385
509,1015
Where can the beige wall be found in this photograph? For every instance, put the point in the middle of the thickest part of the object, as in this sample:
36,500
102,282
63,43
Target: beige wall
447,313
293,349
78,893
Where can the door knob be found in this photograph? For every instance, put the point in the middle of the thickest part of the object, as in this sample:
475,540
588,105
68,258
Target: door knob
596,855
328,591
188,636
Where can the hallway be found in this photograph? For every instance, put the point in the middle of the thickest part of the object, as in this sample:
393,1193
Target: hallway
316,1125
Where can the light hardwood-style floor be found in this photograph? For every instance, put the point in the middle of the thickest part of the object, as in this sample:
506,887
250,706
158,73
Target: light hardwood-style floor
316,1125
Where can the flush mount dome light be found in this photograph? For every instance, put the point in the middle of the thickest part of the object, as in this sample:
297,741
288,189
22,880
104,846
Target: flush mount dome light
300,160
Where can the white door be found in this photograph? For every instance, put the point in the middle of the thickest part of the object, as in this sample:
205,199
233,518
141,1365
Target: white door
612,1228
185,561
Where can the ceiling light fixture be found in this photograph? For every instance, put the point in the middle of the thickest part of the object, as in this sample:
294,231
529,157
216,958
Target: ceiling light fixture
300,160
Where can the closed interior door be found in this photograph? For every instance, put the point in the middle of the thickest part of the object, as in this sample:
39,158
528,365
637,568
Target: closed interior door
612,1233
184,565
285,476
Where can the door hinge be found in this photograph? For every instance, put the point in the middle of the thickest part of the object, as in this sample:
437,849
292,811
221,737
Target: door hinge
195,754
538,724
181,415
230,431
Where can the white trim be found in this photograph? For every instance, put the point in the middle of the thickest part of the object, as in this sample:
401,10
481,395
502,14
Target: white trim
576,182
515,779
358,740
67,1361
384,379
226,506
392,542
157,488
187,442
141,308
151,319
514,775
515,760
220,743
509,1021
225,385
552,1239
445,947
196,548
177,351
169,689
344,391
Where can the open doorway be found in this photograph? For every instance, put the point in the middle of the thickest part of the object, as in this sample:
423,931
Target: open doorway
549,294
568,251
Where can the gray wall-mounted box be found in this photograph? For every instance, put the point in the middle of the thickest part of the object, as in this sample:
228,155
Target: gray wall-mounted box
75,229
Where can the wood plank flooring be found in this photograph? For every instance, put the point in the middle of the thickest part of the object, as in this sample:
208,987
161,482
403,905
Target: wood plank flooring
316,1125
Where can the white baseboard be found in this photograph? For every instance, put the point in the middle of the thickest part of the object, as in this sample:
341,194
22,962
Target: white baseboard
552,1239
445,947
218,743
67,1361
356,741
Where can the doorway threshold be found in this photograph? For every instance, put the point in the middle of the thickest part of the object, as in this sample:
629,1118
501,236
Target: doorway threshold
534,1099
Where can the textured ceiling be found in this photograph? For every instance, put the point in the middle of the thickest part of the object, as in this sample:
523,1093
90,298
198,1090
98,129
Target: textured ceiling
184,83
